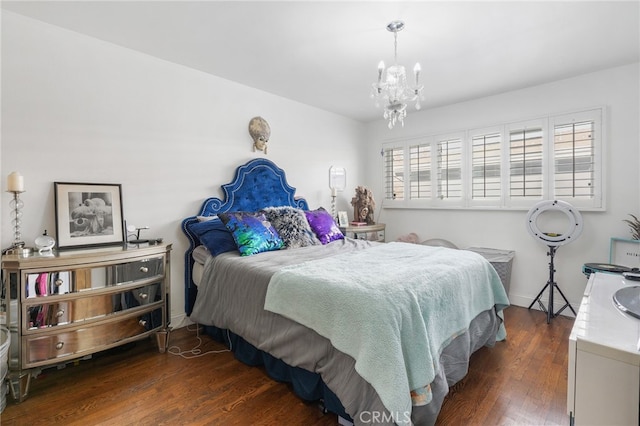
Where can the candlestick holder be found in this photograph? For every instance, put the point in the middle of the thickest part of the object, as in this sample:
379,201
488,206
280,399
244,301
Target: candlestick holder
333,206
16,205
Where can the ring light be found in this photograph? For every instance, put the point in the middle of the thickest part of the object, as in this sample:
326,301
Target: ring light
574,228
553,240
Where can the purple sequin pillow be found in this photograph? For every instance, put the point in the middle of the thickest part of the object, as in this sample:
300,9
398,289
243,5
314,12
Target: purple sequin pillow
323,226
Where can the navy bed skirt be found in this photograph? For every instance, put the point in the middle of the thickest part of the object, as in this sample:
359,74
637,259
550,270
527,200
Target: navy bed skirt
306,385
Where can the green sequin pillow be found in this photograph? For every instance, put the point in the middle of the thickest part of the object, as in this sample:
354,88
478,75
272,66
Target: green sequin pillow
252,232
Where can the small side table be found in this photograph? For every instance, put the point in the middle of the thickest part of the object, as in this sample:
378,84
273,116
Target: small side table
375,232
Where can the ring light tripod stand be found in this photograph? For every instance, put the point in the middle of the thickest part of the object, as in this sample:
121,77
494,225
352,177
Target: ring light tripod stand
553,241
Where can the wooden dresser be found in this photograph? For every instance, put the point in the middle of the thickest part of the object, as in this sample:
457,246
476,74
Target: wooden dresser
66,305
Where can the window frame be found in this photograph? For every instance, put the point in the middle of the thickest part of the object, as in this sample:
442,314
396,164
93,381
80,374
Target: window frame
547,124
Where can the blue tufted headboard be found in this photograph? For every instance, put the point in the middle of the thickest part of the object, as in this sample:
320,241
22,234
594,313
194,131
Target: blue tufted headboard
256,185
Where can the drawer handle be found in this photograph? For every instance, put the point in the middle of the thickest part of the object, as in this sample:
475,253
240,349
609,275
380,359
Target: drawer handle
60,313
59,282
143,295
142,322
144,269
59,345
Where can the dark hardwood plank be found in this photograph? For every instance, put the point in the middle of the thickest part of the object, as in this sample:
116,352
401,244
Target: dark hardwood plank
522,380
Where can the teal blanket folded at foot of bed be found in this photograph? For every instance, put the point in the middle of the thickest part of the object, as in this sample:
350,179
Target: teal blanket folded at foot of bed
392,307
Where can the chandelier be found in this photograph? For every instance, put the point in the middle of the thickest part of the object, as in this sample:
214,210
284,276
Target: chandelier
392,88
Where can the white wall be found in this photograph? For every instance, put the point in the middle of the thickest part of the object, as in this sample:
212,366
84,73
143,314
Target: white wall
81,110
76,109
617,89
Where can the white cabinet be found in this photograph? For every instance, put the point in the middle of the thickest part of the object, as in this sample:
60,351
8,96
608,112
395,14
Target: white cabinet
604,360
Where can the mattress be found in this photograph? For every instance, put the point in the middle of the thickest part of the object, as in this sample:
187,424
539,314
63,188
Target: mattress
200,255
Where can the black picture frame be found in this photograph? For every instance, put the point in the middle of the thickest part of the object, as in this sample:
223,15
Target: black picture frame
88,215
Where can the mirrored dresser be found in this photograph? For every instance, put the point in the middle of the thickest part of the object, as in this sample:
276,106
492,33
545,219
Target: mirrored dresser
65,305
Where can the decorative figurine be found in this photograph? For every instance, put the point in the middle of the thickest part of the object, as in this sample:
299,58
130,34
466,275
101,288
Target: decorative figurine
260,132
363,206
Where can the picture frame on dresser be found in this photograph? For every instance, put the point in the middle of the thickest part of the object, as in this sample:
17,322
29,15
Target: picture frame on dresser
343,219
88,214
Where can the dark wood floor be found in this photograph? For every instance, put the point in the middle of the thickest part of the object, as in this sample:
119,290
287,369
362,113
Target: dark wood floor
522,380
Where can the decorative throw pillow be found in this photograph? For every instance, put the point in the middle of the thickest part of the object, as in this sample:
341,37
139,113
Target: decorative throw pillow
292,226
214,236
323,225
252,232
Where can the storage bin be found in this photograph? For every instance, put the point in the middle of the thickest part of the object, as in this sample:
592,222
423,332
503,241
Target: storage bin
501,260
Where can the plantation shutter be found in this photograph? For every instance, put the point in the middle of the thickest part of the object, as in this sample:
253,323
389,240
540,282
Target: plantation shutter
485,159
449,169
420,176
394,174
525,163
574,158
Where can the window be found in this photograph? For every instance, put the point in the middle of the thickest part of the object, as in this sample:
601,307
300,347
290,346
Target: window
513,165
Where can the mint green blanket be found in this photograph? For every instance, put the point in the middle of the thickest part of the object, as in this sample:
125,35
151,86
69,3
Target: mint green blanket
392,307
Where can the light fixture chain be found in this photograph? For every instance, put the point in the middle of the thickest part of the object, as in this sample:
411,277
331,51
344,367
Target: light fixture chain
395,47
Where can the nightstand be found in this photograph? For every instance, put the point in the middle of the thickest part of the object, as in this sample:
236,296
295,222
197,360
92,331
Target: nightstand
373,232
65,305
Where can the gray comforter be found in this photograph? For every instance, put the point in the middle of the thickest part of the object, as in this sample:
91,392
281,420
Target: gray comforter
232,294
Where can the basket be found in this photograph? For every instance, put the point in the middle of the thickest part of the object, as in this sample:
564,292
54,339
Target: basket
501,260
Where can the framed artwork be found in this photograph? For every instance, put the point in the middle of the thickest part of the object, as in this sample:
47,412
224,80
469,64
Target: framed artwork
88,214
343,219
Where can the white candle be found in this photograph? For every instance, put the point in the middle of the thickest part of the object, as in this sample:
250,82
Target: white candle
334,192
416,71
380,70
15,182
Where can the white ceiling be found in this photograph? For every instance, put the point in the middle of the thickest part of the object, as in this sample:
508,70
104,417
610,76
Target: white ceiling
325,54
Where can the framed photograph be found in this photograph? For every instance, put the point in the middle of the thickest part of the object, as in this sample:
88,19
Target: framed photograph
88,214
343,220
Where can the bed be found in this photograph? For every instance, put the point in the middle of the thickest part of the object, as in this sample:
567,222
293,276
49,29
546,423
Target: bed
376,332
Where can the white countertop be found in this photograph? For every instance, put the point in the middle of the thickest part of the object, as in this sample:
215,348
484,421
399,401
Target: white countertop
600,322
